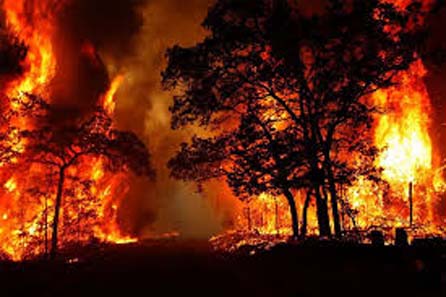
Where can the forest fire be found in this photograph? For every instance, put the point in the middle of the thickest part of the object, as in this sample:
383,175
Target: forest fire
262,147
79,195
409,169
412,185
402,135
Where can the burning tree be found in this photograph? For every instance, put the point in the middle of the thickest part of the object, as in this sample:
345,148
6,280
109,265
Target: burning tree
12,53
255,158
81,151
286,97
62,147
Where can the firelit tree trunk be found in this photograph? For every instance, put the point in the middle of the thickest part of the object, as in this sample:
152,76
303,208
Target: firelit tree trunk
321,203
322,213
303,231
294,217
248,217
334,206
57,207
46,227
333,194
276,216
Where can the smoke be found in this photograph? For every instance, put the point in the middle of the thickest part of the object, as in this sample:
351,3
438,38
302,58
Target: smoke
165,205
85,28
98,40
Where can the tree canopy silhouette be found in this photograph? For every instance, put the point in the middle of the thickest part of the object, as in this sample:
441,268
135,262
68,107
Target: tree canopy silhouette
285,96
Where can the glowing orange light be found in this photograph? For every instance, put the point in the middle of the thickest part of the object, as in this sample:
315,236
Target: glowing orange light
109,100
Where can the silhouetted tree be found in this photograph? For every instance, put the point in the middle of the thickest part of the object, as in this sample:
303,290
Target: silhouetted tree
285,96
62,145
255,158
12,52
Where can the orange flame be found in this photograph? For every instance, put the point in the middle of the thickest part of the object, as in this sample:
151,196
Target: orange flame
27,213
402,133
109,100
37,30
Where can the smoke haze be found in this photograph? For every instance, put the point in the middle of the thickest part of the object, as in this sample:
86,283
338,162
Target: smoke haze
131,38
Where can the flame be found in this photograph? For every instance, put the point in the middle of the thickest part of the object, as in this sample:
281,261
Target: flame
11,185
267,215
27,200
37,30
109,100
403,4
402,133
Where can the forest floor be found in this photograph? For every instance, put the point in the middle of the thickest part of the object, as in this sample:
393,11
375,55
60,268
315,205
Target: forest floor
190,268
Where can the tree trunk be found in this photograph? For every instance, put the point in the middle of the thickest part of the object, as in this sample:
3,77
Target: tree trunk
46,227
321,203
248,217
276,215
322,214
335,211
57,207
334,202
293,211
303,231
